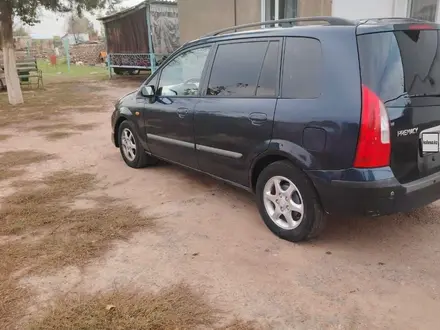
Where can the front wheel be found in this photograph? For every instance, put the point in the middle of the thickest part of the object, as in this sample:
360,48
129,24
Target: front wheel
131,149
288,202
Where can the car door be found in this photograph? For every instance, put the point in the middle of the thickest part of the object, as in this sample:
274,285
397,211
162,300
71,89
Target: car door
233,121
169,115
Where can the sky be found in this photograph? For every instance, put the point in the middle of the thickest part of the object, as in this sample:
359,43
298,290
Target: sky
55,24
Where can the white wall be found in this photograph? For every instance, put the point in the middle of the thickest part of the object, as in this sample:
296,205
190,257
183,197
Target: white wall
354,9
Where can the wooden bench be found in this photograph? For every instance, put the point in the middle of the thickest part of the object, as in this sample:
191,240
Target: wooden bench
27,69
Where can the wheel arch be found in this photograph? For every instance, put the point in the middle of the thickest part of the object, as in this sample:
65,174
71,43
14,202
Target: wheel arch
118,123
260,164
303,162
264,160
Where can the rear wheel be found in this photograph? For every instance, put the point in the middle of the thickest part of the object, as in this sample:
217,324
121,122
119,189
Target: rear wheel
288,202
131,149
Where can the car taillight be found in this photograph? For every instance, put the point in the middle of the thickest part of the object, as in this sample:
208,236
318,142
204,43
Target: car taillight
374,145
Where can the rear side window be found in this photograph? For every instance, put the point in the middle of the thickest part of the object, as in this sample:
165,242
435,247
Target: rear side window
401,63
240,69
302,69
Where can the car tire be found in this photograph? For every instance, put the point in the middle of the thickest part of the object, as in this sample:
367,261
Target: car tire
129,141
288,202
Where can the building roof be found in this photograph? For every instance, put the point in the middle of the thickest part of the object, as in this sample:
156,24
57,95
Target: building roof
73,34
133,9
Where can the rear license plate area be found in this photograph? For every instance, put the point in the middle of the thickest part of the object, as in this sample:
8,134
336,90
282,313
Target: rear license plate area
430,143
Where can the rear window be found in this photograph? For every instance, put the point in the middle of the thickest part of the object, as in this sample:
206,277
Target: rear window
302,69
400,63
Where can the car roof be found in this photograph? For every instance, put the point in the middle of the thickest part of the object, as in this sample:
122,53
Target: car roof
362,26
267,33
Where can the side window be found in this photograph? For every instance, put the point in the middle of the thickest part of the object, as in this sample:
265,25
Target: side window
181,77
267,85
302,69
236,69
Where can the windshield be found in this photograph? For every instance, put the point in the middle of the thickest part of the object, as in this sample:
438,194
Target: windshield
401,64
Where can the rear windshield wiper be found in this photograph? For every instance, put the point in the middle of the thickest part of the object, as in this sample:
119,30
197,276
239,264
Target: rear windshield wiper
413,96
425,95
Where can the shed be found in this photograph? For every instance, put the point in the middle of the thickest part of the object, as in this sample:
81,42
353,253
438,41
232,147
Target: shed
139,37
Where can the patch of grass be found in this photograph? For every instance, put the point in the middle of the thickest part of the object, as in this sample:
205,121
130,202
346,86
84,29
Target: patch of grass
54,136
12,297
6,174
177,307
84,127
76,235
63,125
56,100
31,208
242,325
50,127
62,71
47,232
9,159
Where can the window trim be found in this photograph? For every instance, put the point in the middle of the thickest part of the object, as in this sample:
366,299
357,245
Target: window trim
282,68
202,78
238,41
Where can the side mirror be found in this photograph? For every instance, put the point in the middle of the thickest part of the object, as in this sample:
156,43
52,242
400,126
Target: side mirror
148,91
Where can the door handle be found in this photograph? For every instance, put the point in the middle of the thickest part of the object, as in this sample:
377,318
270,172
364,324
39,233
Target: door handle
182,112
257,118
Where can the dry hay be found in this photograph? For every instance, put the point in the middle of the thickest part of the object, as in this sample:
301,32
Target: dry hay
10,160
177,307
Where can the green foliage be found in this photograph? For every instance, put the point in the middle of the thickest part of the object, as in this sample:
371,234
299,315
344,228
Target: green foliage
20,31
114,9
27,10
60,71
78,25
57,42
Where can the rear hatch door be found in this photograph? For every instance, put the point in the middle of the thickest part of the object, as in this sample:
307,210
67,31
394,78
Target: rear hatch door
402,67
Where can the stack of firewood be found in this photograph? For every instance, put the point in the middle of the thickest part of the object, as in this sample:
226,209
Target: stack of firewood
86,53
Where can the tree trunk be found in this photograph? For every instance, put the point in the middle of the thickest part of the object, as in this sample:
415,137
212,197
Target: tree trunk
11,76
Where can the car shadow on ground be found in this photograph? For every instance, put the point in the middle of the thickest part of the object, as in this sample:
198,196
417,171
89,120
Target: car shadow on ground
369,233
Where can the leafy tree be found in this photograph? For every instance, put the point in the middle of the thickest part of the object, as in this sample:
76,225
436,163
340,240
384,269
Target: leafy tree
20,31
114,9
57,42
27,12
78,25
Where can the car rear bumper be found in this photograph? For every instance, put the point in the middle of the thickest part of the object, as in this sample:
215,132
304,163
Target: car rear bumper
372,192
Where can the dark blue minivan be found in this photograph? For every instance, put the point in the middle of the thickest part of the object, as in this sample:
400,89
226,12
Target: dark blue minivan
331,117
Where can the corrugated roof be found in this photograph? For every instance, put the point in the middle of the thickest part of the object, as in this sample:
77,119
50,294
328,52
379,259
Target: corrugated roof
128,11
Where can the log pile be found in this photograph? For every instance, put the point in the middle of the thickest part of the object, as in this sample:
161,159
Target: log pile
19,55
86,53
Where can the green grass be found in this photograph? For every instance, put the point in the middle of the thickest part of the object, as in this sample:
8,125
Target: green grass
61,70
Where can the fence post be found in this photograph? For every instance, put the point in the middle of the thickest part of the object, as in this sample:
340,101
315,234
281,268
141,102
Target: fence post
109,67
150,41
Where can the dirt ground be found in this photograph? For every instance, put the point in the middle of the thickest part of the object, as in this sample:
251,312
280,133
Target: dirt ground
360,274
